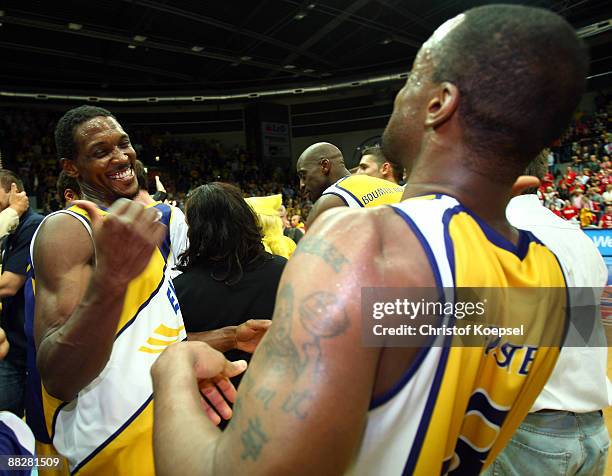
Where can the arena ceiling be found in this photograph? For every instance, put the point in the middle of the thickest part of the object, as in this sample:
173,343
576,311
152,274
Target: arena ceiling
159,46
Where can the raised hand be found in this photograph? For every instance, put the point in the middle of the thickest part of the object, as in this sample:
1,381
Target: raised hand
250,333
18,201
208,368
124,239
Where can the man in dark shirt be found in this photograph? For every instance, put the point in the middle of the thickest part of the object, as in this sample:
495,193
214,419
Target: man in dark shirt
15,253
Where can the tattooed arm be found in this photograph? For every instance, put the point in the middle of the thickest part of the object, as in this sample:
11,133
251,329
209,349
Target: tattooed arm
302,405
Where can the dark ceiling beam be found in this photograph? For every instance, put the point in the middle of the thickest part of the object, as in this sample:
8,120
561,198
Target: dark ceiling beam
413,18
223,26
94,59
325,29
387,31
128,39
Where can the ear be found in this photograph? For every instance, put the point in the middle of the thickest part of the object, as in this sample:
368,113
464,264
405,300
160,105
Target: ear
385,168
524,182
69,167
443,105
325,166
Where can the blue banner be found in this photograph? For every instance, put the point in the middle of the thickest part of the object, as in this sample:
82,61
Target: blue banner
603,240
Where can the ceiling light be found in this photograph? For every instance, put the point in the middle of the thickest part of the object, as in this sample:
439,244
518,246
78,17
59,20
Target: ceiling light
311,6
74,26
196,49
309,70
234,64
132,47
1,13
246,58
325,75
140,38
289,66
299,16
386,41
157,158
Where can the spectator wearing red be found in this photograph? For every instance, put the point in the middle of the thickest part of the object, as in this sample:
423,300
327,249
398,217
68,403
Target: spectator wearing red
606,218
569,211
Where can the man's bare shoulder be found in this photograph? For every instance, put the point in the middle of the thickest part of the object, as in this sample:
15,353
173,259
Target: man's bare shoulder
61,239
376,239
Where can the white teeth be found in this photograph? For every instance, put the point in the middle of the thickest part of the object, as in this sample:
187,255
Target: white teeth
123,174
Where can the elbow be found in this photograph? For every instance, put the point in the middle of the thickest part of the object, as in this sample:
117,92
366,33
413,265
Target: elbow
58,389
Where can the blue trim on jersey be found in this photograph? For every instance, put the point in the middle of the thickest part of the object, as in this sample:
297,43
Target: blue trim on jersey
166,212
448,241
35,415
339,196
405,378
143,305
55,415
426,248
519,250
350,193
112,437
428,411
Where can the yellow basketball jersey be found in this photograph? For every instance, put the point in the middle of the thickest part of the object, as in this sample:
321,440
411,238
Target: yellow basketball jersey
365,191
457,407
108,428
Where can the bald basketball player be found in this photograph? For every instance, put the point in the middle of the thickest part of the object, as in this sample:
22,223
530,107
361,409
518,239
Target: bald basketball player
315,399
329,184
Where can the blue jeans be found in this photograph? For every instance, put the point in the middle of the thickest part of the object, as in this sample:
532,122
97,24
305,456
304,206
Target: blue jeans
12,388
550,443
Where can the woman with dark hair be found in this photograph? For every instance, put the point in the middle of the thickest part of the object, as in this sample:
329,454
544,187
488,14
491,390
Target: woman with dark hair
228,277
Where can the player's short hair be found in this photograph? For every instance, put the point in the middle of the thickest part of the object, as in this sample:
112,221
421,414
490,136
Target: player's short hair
520,72
64,130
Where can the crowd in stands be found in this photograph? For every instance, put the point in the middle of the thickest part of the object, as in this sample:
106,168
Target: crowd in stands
578,186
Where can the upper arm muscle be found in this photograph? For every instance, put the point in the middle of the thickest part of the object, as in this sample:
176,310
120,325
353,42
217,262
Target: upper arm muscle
63,254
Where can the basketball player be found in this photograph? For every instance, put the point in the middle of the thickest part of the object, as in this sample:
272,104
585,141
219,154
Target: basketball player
315,399
105,307
374,163
329,184
68,189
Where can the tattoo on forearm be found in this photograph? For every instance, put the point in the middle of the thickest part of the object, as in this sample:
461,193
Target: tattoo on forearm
296,404
324,250
253,440
266,395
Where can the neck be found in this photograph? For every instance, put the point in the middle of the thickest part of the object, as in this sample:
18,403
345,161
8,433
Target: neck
479,193
337,173
144,197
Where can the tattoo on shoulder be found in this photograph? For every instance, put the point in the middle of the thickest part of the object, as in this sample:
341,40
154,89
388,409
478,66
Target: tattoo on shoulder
323,249
253,440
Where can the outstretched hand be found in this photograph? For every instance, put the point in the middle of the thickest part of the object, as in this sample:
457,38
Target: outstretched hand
250,333
125,238
210,371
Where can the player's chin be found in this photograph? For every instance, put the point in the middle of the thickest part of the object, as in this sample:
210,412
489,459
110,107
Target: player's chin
127,191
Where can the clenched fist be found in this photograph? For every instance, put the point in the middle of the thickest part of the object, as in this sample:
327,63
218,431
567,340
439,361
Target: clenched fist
125,238
18,201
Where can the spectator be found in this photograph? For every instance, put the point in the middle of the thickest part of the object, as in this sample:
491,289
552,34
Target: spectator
268,211
228,277
606,218
15,254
